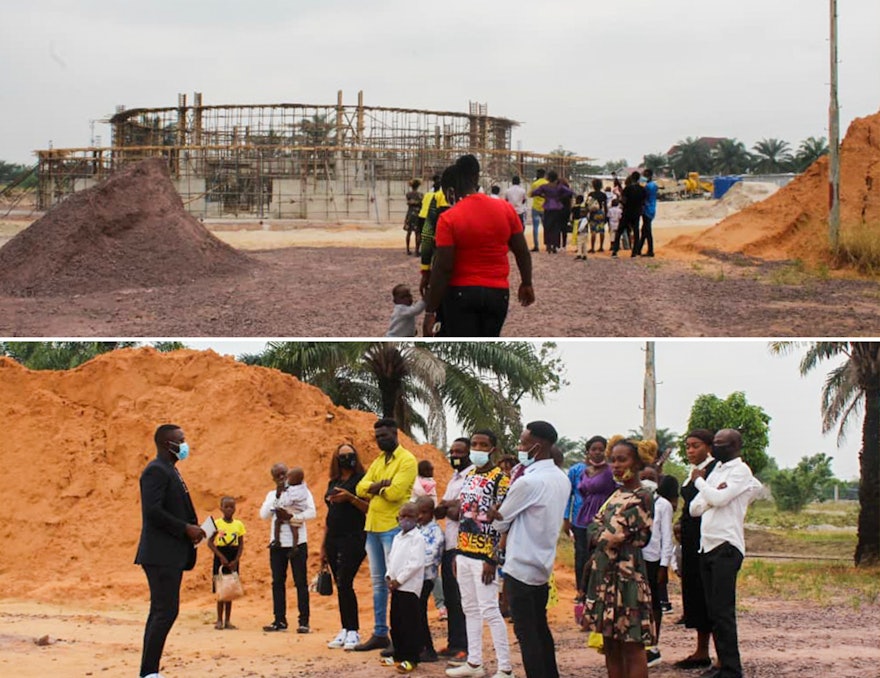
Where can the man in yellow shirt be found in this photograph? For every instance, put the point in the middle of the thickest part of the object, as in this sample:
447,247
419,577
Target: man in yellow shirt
387,485
537,206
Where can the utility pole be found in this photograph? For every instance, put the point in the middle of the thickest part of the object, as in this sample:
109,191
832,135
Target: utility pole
834,143
649,411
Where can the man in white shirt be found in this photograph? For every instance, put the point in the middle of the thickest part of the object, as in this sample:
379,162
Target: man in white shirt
722,502
460,460
284,551
532,514
516,196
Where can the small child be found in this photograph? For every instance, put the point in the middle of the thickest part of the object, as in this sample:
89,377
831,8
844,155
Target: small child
615,212
495,192
434,547
405,574
227,546
294,499
577,212
425,485
403,317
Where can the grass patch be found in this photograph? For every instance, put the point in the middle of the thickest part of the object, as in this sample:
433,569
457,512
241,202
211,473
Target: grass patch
837,514
817,582
860,247
794,273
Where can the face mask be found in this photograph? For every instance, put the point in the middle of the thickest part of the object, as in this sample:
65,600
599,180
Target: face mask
182,450
524,458
406,524
650,485
347,460
480,459
624,477
722,453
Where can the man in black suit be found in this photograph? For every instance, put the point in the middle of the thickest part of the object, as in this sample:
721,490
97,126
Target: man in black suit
169,535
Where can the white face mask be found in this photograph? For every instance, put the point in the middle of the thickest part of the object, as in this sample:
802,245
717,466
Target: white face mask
650,485
524,458
480,459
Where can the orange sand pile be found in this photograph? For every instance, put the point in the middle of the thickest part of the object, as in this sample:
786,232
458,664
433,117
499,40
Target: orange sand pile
78,440
792,223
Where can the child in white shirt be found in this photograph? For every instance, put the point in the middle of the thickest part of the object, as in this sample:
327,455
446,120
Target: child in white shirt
615,212
403,317
294,499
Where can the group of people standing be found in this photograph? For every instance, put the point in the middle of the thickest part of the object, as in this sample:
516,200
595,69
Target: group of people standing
498,545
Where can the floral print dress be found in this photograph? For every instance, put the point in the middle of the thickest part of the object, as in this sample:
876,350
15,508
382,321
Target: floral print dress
618,603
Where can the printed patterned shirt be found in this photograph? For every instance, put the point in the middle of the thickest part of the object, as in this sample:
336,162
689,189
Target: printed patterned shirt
476,536
434,547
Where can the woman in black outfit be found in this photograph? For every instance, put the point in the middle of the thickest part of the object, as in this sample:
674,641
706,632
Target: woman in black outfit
344,538
698,447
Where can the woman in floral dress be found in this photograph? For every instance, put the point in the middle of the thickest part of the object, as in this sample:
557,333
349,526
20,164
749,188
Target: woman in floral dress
411,221
618,604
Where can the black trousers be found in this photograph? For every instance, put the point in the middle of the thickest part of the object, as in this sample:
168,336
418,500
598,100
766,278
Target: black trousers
628,222
406,634
279,557
345,553
581,555
552,228
474,311
456,636
528,607
652,567
164,585
647,236
427,643
719,568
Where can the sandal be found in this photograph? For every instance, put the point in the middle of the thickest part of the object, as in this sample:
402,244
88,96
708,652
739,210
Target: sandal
231,627
387,661
405,667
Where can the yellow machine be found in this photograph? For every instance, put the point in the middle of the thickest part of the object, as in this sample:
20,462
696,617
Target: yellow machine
693,186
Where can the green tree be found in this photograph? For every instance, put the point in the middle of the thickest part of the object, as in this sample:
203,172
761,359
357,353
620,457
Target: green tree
852,387
711,412
771,156
730,156
618,166
168,346
482,383
690,155
58,355
658,162
665,438
809,151
572,450
795,488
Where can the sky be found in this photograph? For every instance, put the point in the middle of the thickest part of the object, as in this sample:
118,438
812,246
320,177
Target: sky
608,80
606,378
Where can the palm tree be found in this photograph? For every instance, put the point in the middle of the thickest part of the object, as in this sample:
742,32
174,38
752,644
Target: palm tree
850,387
658,162
690,155
810,150
771,156
481,383
729,156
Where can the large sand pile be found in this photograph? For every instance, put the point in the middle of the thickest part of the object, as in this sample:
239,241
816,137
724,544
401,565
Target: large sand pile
792,223
77,441
131,230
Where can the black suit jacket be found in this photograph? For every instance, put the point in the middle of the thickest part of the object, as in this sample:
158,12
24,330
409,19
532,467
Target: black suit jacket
167,509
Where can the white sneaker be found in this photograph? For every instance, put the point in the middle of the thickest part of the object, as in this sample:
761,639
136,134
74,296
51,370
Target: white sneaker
503,674
338,641
352,638
466,671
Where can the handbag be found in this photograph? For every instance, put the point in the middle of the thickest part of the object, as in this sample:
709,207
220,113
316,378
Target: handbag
597,641
324,582
228,587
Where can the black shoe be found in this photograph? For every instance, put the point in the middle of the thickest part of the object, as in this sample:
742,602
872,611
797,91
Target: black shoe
388,651
276,626
373,643
690,663
303,628
667,606
711,673
653,657
428,657
535,249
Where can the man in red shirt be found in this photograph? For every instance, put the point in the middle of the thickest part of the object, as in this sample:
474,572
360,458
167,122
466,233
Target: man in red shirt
469,275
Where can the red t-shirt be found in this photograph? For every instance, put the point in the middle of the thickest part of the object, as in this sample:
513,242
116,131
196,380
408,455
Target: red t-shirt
479,228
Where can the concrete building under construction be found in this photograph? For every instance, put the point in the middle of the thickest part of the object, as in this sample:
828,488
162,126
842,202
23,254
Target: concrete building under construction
294,161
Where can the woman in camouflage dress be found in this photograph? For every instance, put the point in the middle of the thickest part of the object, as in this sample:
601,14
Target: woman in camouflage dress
618,604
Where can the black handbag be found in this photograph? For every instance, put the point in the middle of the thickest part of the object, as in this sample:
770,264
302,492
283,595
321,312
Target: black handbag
324,585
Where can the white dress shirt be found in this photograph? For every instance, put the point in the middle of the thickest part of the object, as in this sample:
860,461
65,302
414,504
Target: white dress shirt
453,491
708,460
267,510
724,510
532,516
660,547
406,562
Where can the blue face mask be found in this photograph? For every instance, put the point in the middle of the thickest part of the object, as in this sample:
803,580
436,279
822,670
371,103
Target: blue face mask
524,457
480,459
182,450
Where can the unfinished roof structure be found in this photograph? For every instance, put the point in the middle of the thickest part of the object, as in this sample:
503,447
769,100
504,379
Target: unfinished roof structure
299,161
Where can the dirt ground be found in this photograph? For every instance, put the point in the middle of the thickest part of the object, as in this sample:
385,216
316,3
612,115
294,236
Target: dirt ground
335,281
103,637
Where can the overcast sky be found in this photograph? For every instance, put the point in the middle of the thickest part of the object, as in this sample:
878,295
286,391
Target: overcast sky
606,380
608,80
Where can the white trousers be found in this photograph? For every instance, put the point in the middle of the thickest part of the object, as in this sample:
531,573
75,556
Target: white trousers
480,603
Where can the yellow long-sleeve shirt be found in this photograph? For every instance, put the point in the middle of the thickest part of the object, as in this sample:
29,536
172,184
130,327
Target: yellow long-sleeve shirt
401,470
